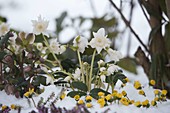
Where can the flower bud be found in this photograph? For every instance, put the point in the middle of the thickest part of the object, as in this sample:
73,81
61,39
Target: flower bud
8,58
27,68
30,55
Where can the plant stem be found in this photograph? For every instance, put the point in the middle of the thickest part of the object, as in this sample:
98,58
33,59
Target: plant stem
47,44
81,66
87,76
112,85
107,87
33,102
91,69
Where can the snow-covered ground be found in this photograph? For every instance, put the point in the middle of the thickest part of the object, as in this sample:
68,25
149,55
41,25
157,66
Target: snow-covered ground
69,103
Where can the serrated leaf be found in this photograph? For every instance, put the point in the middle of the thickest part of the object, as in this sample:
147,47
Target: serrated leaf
128,64
73,93
80,86
94,92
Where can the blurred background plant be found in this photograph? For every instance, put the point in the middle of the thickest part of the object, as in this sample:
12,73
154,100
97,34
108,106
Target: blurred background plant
153,57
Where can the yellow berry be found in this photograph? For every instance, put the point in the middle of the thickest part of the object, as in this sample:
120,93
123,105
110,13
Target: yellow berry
88,98
119,95
101,101
152,82
100,94
80,102
137,103
124,101
108,97
124,93
77,97
4,107
156,92
126,79
164,92
137,85
145,103
115,91
13,106
88,105
131,101
153,103
141,92
156,99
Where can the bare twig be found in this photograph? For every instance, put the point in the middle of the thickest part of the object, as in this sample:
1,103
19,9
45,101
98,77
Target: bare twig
128,24
168,8
140,3
130,19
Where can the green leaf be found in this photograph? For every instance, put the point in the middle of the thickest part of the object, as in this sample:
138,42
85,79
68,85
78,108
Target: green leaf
73,93
30,38
59,74
79,85
94,92
2,54
128,64
67,64
39,80
4,40
39,38
112,79
3,19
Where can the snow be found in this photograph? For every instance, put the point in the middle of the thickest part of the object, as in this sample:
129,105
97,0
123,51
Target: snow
69,103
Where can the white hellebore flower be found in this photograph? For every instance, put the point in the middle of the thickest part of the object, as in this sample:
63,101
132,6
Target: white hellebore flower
68,78
62,49
81,43
112,68
42,67
114,55
77,73
39,46
12,39
54,46
40,26
101,63
102,69
4,28
102,77
49,79
100,41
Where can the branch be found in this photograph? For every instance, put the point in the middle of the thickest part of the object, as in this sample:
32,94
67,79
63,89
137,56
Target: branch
140,3
128,24
168,8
